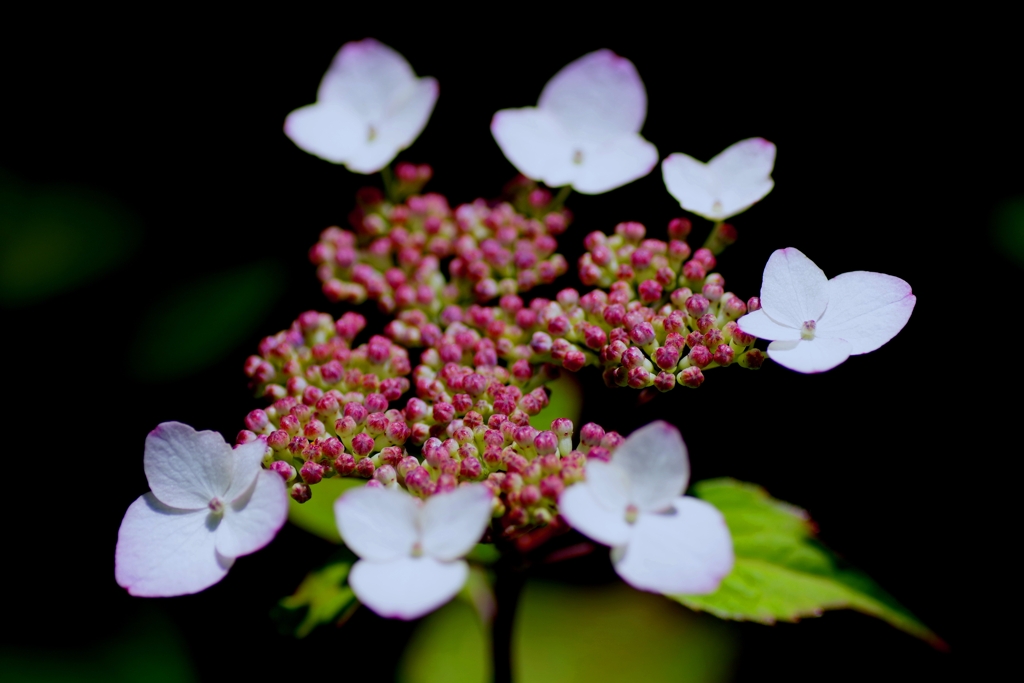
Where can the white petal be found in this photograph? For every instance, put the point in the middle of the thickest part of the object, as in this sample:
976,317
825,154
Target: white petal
330,130
693,185
245,465
407,587
187,469
452,523
761,326
600,95
793,289
613,163
654,457
580,508
687,552
866,309
252,520
163,551
403,121
536,144
378,524
807,356
366,75
609,484
744,172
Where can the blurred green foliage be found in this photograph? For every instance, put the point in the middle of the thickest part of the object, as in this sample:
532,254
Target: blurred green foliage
201,322
782,572
146,649
1008,229
53,239
317,514
566,400
574,634
323,597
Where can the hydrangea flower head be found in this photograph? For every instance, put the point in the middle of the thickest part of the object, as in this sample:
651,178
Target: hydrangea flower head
410,550
585,130
729,184
816,323
661,540
370,106
209,504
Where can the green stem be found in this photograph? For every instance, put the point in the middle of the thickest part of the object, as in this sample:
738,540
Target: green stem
508,585
389,183
562,195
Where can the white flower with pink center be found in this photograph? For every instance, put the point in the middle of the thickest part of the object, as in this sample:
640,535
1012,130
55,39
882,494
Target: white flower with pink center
662,541
411,551
730,183
370,106
585,130
816,323
209,504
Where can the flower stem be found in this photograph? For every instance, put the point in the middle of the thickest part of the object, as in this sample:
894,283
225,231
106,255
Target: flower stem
389,183
508,585
560,198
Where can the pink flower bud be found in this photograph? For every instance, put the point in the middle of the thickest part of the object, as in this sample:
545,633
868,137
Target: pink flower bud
693,270
705,323
385,474
751,359
540,343
632,358
697,305
679,228
591,434
301,492
362,444
705,258
599,453
713,338
344,464
642,334
723,354
713,291
666,357
470,468
311,472
551,487
256,421
443,413
278,440
365,468
631,231
753,304
734,307
678,251
545,443
700,356
640,258
649,291
529,495
639,378
574,361
691,377
357,412
418,480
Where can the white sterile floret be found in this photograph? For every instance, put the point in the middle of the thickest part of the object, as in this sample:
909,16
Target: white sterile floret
410,550
209,504
585,130
729,184
661,540
816,323
370,106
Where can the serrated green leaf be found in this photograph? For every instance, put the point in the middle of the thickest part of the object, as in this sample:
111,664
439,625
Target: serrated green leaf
316,515
782,573
323,597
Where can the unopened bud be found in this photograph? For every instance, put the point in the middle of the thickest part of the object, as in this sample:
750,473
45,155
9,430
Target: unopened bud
301,492
286,471
311,472
679,228
753,304
665,381
691,377
385,474
723,354
700,356
751,359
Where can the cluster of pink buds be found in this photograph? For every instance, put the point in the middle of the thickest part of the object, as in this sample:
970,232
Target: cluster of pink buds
666,315
394,255
332,415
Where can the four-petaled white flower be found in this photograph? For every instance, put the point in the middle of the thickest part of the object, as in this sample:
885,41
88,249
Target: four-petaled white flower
731,183
370,106
209,504
661,540
411,551
585,130
817,323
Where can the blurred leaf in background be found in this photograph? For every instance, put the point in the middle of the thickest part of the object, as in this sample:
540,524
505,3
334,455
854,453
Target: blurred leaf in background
53,239
317,514
201,322
323,597
148,648
565,400
1008,229
575,634
782,572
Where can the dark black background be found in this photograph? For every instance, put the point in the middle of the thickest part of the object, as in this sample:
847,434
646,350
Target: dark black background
893,145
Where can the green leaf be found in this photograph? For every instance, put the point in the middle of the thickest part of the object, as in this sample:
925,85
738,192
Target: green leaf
316,515
204,321
575,634
782,572
323,597
566,400
1008,229
57,238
